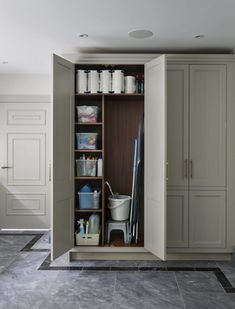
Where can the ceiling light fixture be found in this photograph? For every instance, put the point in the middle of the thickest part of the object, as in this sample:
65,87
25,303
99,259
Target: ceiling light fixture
140,34
199,36
83,35
4,62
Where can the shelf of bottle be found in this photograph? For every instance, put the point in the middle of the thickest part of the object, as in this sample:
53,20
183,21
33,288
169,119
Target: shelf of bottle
89,123
108,94
89,177
87,150
87,210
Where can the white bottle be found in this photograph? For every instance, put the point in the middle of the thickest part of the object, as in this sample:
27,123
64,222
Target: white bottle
99,166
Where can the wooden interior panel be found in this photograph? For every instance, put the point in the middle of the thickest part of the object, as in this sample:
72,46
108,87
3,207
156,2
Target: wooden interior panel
122,116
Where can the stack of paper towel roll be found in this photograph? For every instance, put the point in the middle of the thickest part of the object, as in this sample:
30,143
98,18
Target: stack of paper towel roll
130,84
117,81
104,81
81,81
88,81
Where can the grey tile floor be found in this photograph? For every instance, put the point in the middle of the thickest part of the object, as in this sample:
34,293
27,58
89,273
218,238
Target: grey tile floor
22,286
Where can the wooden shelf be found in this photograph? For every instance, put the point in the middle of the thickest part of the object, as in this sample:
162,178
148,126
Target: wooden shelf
89,123
88,210
88,94
108,94
124,94
88,177
87,150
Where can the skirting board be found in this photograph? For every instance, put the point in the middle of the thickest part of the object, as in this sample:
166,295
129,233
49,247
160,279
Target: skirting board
148,256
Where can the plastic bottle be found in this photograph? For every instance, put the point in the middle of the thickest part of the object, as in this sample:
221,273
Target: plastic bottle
94,224
87,227
96,196
81,223
99,166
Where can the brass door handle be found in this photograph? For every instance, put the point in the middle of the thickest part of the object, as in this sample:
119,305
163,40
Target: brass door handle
167,164
50,171
191,168
5,167
186,168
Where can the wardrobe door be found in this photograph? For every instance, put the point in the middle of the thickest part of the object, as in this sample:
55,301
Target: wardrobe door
177,219
155,157
207,219
177,125
62,157
208,125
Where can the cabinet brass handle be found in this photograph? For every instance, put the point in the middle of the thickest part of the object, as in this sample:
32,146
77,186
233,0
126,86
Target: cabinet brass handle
5,167
186,168
191,168
167,171
50,171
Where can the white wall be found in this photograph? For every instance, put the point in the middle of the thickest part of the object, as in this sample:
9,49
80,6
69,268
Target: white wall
25,84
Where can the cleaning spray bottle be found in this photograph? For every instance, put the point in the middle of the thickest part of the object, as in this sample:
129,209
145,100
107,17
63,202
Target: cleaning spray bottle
81,224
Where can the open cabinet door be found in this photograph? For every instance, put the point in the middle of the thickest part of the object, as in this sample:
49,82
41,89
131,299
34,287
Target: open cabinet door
155,157
62,157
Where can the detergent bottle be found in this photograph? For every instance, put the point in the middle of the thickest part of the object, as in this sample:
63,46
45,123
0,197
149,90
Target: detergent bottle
94,224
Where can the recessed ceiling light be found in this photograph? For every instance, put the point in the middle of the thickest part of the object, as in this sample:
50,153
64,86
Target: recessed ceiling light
140,33
5,62
199,36
83,35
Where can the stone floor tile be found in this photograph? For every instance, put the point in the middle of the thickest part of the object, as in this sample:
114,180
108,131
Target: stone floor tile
146,284
24,300
122,300
61,302
76,283
195,281
209,301
43,242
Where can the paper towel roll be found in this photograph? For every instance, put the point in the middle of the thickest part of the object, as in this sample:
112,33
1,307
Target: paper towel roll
130,84
81,81
93,81
105,81
117,81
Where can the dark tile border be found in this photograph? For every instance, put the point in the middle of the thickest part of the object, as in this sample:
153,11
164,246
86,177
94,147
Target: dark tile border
46,264
225,283
29,246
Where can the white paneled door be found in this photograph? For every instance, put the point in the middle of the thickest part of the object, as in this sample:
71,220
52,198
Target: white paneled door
62,157
155,157
207,126
177,125
24,165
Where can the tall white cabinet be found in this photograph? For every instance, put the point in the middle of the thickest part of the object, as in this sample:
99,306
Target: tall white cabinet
189,104
197,155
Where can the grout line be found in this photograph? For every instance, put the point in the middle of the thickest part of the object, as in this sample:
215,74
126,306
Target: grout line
181,296
114,291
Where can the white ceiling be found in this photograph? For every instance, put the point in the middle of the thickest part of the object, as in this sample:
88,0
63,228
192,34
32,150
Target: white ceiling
31,30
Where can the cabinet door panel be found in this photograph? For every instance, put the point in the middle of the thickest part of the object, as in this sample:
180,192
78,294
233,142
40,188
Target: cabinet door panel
208,125
177,219
155,157
207,219
177,125
62,157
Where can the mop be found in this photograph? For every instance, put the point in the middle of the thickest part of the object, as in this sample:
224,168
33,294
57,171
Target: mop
133,192
136,185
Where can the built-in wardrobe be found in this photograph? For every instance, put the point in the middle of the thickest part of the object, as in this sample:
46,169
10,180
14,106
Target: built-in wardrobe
197,185
189,172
